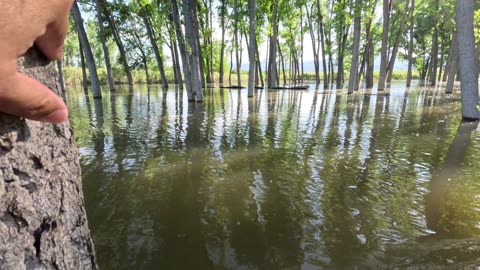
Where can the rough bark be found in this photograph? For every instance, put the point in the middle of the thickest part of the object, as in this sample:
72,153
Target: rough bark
468,65
103,40
87,50
43,223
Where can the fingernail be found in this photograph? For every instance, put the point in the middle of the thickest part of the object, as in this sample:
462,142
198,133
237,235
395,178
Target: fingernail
56,117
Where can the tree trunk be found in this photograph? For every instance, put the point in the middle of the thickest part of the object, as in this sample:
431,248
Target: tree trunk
222,45
61,77
314,45
393,57
272,61
189,9
453,66
87,50
183,50
121,48
103,40
410,44
43,223
84,69
383,56
252,49
177,66
434,65
153,42
237,43
324,58
356,46
468,65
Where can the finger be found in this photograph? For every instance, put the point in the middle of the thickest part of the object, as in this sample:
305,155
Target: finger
25,97
51,43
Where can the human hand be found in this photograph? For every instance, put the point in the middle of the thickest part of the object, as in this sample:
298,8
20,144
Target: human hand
22,24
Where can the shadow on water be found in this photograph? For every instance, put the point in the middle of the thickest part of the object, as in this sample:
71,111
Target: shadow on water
289,179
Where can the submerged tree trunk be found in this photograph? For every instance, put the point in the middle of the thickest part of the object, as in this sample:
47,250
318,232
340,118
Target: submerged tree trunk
272,60
175,16
252,49
84,68
468,65
121,47
356,47
103,40
410,45
153,42
61,77
434,65
222,45
383,56
87,50
191,35
43,223
393,57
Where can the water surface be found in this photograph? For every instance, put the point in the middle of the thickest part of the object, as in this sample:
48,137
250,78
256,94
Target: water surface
287,180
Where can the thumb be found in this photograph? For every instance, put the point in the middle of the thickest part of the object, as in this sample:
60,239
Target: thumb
25,97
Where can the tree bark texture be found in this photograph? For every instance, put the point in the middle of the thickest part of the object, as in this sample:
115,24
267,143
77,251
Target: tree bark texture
43,223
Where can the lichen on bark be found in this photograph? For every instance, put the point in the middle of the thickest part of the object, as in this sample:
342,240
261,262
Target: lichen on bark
43,222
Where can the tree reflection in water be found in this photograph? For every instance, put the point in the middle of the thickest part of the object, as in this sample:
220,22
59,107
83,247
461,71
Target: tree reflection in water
288,179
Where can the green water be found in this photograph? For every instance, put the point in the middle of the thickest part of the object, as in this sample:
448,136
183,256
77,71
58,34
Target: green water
287,180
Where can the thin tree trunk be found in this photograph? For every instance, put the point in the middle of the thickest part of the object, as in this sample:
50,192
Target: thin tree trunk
272,61
121,48
84,69
453,66
282,61
383,54
177,66
326,81
156,51
222,45
87,50
44,223
468,65
356,46
183,50
103,40
237,44
410,44
393,58
189,9
252,49
61,77
434,65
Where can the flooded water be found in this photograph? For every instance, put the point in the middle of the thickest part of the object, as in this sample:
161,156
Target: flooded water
287,180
